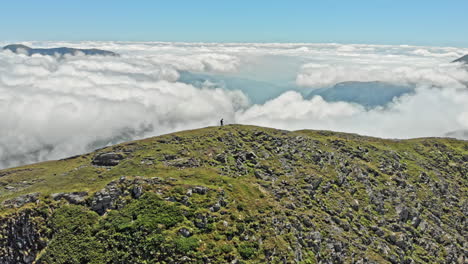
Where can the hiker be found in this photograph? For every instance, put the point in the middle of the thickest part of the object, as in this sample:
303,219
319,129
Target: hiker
222,122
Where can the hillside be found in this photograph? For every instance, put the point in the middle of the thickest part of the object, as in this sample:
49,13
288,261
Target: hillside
242,194
18,48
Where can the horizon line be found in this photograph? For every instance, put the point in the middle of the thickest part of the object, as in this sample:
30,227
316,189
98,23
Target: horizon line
239,42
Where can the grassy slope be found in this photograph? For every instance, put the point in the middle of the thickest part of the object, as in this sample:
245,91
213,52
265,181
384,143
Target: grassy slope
77,174
256,197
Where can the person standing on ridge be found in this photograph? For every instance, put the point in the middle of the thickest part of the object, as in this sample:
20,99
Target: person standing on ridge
222,122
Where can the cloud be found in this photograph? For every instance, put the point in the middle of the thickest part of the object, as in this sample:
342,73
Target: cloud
57,107
52,108
208,62
428,112
291,106
316,75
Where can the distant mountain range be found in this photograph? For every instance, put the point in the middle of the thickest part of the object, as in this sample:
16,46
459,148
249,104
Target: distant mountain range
463,59
368,94
18,48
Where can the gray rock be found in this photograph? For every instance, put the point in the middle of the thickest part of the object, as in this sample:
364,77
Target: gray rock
73,197
404,213
220,158
107,159
355,205
106,198
315,183
185,259
185,232
200,190
21,200
215,208
137,191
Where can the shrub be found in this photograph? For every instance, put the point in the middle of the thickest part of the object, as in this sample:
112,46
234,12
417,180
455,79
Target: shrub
184,245
248,250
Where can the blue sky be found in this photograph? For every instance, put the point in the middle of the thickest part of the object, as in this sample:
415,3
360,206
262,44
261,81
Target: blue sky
420,22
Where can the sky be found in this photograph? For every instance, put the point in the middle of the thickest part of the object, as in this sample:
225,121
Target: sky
415,22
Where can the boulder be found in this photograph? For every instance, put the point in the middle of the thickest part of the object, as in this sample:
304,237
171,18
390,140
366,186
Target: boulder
73,197
184,232
107,159
21,200
200,190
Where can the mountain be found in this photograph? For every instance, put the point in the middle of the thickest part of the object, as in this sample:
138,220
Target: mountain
369,94
242,194
463,59
18,48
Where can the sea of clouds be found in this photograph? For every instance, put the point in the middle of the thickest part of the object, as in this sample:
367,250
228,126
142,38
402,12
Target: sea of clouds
54,107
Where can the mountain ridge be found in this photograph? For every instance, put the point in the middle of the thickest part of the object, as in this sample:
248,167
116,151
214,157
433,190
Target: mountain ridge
61,51
242,194
463,59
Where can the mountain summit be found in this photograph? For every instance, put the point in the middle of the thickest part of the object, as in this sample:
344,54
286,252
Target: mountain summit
242,194
19,48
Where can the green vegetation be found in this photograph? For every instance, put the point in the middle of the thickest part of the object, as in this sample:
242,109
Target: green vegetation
242,194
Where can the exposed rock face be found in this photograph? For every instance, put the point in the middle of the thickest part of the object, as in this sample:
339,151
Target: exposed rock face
111,196
21,200
73,197
21,237
107,159
240,194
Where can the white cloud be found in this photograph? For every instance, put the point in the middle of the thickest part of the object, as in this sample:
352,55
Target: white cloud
210,62
291,106
52,108
56,107
429,112
326,75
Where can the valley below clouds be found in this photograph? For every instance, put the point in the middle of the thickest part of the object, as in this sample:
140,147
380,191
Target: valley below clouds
53,107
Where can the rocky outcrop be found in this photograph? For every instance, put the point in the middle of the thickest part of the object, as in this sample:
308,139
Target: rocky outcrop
111,196
21,200
73,197
107,159
22,237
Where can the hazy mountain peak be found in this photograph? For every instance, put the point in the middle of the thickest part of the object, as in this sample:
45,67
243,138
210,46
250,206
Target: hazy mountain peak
369,94
463,59
61,51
